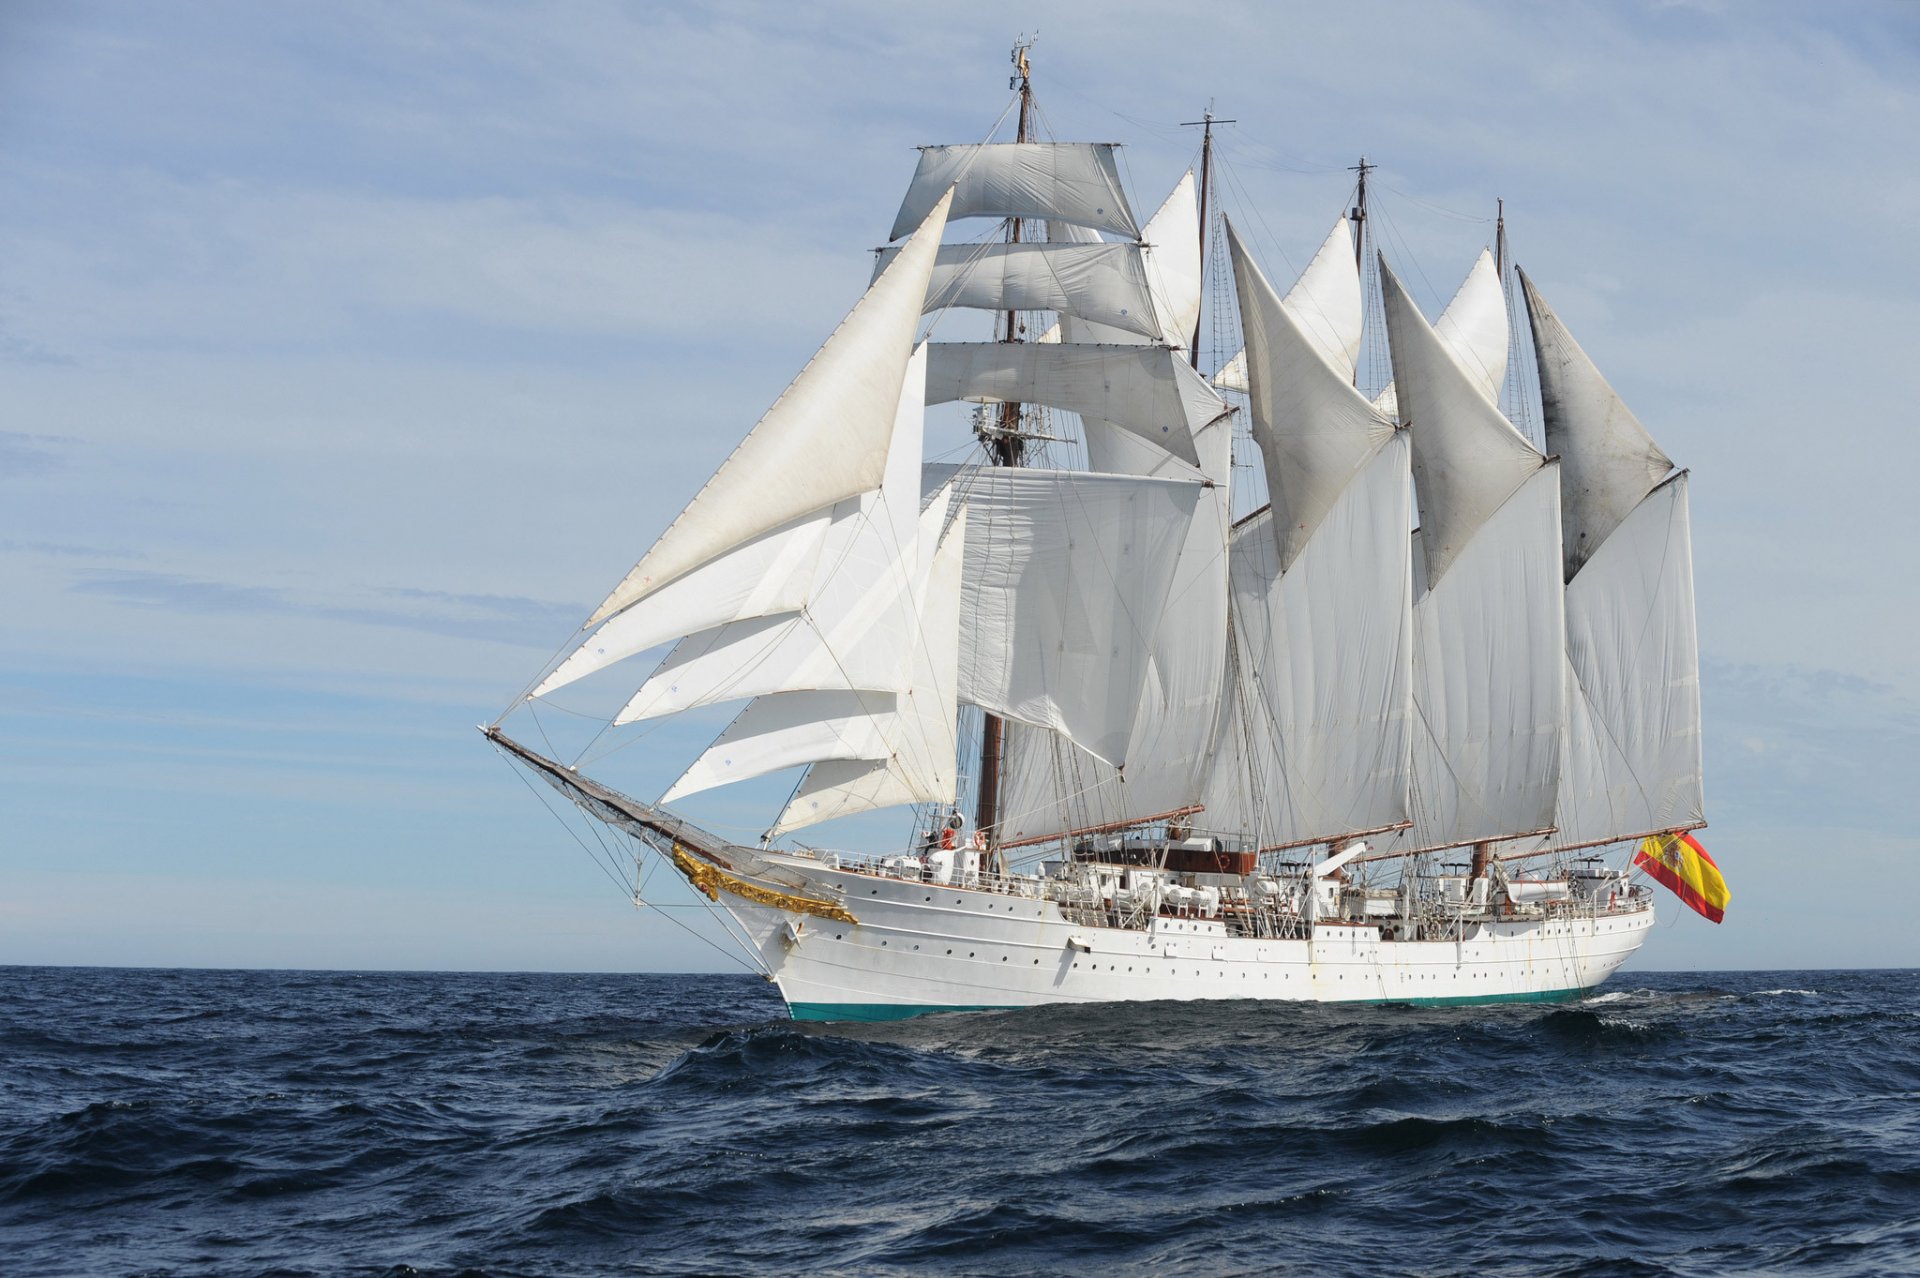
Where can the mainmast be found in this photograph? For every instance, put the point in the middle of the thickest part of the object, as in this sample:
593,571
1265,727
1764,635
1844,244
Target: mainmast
1008,447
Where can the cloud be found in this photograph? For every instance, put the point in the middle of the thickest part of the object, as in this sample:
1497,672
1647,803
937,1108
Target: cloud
23,455
497,618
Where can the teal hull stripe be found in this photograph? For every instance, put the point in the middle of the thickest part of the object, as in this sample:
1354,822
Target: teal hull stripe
901,1011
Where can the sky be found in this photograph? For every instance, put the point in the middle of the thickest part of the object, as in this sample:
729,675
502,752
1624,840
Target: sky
349,353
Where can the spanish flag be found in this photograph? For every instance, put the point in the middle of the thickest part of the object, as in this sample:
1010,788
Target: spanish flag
1684,866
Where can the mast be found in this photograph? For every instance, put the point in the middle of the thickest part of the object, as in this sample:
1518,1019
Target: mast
1359,215
1008,449
1500,240
1205,123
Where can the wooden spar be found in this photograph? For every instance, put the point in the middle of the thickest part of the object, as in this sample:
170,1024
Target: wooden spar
1008,449
1445,847
1342,838
1601,843
1108,828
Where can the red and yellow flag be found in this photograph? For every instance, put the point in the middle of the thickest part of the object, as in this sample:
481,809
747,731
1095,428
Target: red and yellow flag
1678,861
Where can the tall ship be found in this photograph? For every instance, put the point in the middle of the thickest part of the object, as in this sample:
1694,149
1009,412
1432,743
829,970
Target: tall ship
1240,680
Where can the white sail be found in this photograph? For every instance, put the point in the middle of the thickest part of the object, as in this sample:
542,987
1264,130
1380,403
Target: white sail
1171,242
1060,181
770,574
1149,390
1326,305
1314,429
824,440
1474,330
1467,458
1632,646
1473,327
1609,460
1045,779
1102,282
854,630
1066,581
1325,649
787,729
1489,678
919,767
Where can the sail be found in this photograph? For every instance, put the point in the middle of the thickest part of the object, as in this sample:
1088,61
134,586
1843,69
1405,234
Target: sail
1610,461
853,631
1061,181
1101,282
1325,304
1633,652
1474,330
1314,429
770,574
1172,236
1171,242
1489,678
1047,783
1325,645
1467,458
824,440
787,729
1149,390
919,767
1066,580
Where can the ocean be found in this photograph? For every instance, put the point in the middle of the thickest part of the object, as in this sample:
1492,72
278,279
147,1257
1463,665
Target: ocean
229,1122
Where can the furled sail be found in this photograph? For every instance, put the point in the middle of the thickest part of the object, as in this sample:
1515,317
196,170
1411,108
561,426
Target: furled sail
1610,460
1061,181
854,630
1101,282
824,440
1314,430
1149,390
919,766
1066,580
1489,685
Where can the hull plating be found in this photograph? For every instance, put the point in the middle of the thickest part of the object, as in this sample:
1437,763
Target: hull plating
920,948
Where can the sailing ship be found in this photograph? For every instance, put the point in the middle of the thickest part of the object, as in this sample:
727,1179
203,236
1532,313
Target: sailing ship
1319,751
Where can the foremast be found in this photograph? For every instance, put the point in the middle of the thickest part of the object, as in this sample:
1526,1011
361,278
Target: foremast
1007,446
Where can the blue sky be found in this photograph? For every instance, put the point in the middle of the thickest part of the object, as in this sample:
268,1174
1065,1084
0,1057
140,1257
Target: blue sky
349,352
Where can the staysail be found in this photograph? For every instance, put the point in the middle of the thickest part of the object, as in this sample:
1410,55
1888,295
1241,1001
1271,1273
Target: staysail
1634,764
1322,586
1489,686
823,441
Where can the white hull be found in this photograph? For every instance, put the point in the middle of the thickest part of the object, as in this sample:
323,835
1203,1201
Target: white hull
921,947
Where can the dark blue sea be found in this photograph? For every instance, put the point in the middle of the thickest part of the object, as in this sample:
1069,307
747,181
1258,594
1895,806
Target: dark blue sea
203,1122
